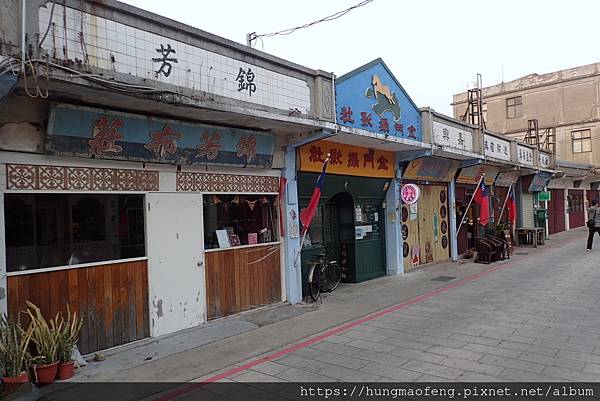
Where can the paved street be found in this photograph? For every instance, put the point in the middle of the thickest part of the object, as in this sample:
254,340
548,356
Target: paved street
535,319
532,318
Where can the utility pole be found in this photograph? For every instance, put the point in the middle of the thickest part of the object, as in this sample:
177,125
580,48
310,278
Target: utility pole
249,38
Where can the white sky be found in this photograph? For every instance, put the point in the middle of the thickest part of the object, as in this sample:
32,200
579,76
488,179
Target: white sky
432,47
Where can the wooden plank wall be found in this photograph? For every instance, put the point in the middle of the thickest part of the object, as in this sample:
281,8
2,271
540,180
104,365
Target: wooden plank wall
113,300
242,279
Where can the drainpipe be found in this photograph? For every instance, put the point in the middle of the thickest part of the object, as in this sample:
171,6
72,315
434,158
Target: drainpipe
23,14
334,103
452,235
431,142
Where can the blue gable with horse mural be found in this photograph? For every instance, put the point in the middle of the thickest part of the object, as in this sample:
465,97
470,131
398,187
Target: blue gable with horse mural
371,98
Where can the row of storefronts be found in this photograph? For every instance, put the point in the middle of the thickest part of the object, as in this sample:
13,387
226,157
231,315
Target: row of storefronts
149,215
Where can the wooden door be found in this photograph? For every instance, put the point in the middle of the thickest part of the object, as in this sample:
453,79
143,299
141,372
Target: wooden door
497,203
556,212
442,224
426,230
176,261
576,212
410,234
427,223
461,204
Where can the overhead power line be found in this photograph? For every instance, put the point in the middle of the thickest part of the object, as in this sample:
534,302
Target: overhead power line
253,36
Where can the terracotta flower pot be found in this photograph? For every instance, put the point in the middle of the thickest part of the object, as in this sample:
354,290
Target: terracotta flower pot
66,370
12,383
45,374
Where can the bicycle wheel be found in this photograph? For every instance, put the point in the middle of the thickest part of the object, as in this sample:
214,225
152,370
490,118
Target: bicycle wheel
332,277
314,285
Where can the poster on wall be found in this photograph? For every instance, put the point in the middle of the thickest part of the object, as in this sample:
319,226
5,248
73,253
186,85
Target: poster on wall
413,211
223,238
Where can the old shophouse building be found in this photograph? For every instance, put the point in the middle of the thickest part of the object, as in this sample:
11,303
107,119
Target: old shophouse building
152,174
143,169
560,112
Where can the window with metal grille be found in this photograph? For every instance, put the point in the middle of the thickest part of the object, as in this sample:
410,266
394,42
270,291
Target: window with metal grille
582,141
514,107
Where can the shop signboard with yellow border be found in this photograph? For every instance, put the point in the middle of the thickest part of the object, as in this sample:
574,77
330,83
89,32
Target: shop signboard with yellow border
431,169
347,160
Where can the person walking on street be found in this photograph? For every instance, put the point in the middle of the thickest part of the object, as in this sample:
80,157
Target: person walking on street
593,222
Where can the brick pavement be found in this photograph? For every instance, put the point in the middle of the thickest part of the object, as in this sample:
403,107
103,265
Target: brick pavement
537,319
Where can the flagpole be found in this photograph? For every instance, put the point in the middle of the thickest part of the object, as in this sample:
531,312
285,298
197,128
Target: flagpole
504,205
306,228
469,205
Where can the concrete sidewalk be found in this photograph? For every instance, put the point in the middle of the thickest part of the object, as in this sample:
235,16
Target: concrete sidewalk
219,345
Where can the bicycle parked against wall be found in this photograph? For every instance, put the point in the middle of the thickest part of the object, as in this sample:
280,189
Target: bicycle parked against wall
324,275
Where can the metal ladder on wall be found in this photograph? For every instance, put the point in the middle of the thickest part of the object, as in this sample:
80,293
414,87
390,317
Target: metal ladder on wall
544,140
474,112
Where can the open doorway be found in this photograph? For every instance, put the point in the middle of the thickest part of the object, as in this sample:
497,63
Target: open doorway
339,230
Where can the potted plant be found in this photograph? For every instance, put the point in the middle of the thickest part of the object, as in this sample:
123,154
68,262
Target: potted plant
501,229
45,337
14,352
69,336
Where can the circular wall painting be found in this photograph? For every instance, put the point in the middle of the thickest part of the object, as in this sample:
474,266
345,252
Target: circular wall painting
443,212
443,196
444,242
404,214
444,227
405,249
409,193
404,232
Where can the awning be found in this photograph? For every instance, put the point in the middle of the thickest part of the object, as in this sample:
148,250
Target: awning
431,169
471,175
507,178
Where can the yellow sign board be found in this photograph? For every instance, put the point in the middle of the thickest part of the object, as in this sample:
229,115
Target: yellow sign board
347,160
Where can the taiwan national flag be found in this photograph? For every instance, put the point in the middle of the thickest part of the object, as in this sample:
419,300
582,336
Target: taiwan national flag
481,196
512,208
307,214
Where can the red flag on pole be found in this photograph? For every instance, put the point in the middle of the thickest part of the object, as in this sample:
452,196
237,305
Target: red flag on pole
307,214
482,199
512,208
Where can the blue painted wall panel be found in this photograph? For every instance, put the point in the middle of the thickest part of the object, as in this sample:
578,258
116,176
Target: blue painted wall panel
370,98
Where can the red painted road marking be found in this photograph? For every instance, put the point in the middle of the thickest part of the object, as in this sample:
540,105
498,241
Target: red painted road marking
346,326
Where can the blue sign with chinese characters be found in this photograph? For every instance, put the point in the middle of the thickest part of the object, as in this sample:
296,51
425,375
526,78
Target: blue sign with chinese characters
371,98
94,133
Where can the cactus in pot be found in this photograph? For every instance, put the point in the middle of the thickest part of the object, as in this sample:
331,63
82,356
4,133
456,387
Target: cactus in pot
14,351
45,337
69,335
